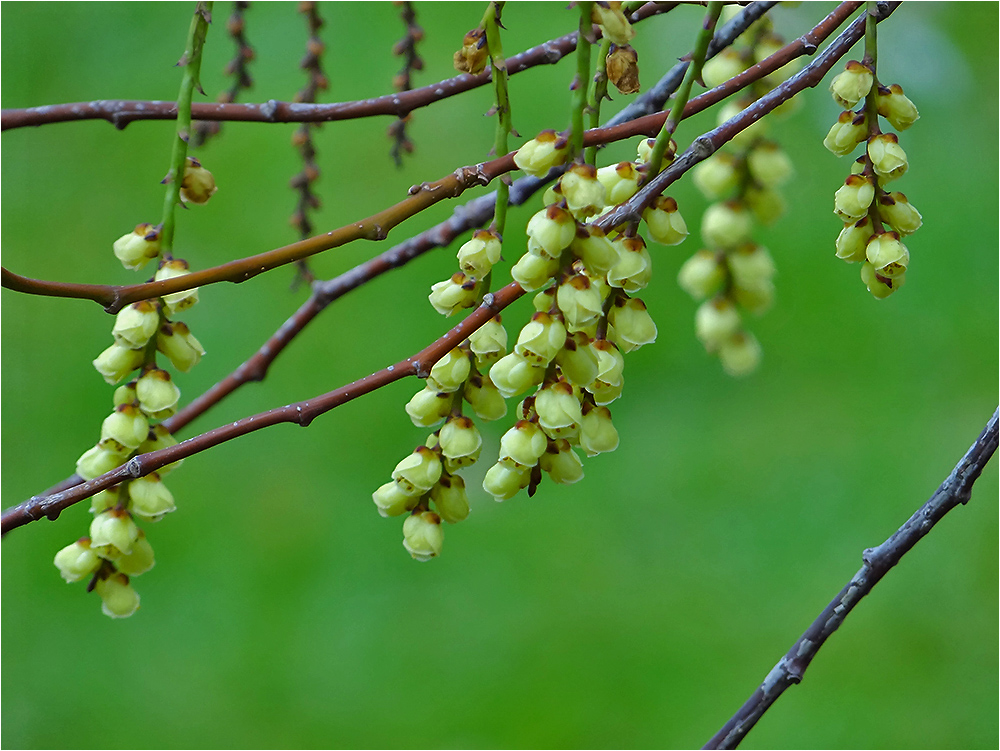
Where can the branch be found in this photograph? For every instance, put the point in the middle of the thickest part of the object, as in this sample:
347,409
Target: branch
955,490
475,213
376,227
121,112
300,413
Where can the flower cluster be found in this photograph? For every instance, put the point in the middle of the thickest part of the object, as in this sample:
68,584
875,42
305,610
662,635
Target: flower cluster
567,360
875,219
116,549
733,273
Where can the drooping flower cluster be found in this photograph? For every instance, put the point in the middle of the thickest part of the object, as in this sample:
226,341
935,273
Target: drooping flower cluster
875,219
732,273
116,549
568,358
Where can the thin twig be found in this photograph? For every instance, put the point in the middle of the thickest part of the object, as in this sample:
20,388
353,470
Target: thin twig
299,413
403,80
121,112
955,490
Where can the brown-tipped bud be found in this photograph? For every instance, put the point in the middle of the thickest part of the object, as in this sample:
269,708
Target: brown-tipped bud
623,69
471,58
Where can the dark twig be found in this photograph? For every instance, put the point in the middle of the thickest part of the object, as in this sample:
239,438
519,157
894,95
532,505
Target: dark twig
403,80
302,138
955,490
238,68
299,413
121,112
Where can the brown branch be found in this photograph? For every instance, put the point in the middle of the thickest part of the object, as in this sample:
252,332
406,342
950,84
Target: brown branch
475,213
121,112
299,413
375,227
955,490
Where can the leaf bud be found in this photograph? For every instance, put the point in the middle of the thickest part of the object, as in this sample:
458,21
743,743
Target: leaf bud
851,86
423,535
138,247
542,153
664,222
77,561
453,294
118,598
198,184
450,499
177,301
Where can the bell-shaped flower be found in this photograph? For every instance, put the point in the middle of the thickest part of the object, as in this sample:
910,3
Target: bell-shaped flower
851,86
664,222
484,398
505,479
726,225
158,394
633,326
887,255
644,152
898,212
423,535
127,425
880,286
453,294
488,343
450,372
472,56
607,386
477,256
418,472
561,463
513,374
541,339
702,274
740,354
391,500
198,184
579,301
888,157
114,527
176,341
523,443
853,198
542,153
176,301
716,321
597,433
151,500
845,134
118,598
77,561
577,360
558,409
634,268
614,25
460,441
451,499
717,176
769,165
136,324
620,181
99,460
551,230
583,192
138,247
428,407
117,361
719,69
853,239
895,107
140,560
594,248
534,270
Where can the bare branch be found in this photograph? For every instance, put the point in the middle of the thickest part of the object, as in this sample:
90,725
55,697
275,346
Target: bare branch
121,112
955,490
300,413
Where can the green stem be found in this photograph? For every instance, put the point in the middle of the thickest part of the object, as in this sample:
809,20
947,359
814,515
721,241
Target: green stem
491,22
871,109
684,92
582,74
598,93
191,60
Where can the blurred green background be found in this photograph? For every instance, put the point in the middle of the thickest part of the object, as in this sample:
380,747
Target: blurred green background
638,608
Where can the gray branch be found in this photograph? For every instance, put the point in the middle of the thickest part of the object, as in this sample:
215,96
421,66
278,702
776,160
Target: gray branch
955,490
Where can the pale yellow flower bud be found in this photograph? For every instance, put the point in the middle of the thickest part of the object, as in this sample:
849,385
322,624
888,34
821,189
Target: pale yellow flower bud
580,302
644,152
896,107
484,397
150,498
620,181
77,561
523,443
176,341
118,598
117,361
726,225
136,324
899,213
769,165
423,535
99,460
740,354
887,255
460,441
114,527
888,157
477,256
450,372
177,301
664,222
140,560
597,434
453,294
851,86
417,473
504,480
157,393
716,321
450,499
853,239
138,247
552,230
717,176
488,343
853,198
472,56
634,268
198,184
558,409
542,153
719,69
127,425
596,251
880,286
584,194
845,134
577,360
613,23
561,463
533,271
701,275
392,500
633,326
541,339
